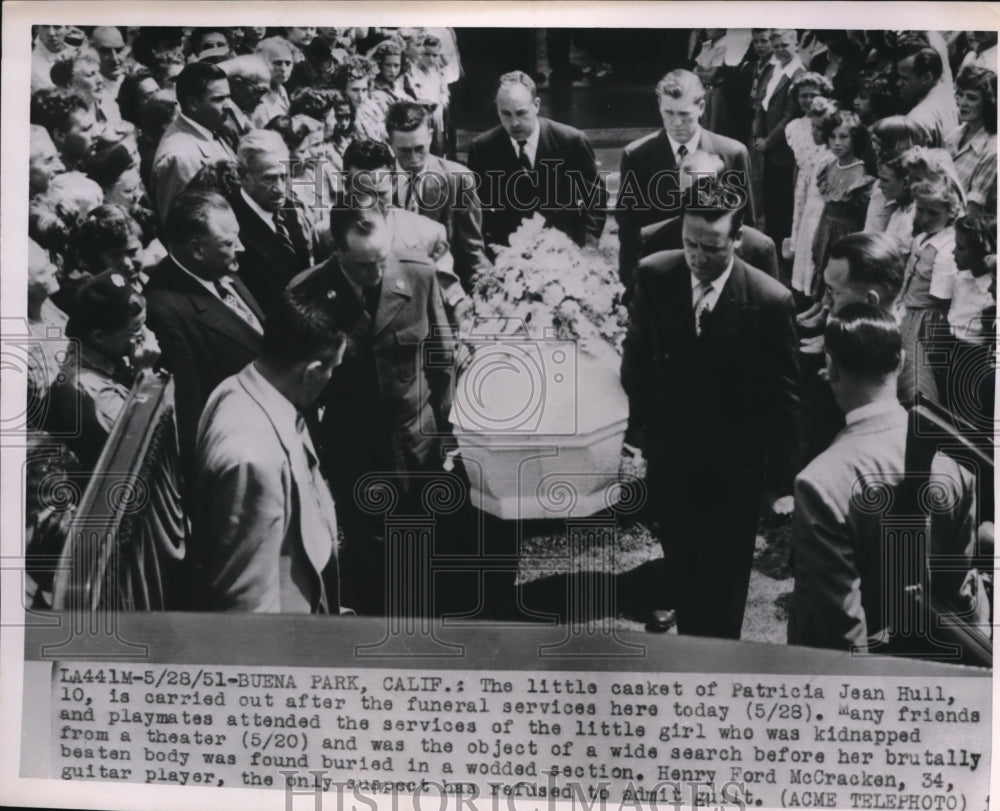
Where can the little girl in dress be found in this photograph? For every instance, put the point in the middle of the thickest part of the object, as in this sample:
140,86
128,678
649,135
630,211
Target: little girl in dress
808,201
844,185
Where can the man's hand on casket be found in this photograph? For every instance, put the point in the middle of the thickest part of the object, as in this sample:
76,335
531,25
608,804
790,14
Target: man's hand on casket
783,507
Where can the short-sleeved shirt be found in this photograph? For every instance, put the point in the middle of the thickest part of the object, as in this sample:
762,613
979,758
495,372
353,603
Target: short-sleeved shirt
970,299
976,163
930,271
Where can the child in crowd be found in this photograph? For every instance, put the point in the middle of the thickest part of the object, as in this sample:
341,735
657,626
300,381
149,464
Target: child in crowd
893,182
925,297
809,209
844,186
890,137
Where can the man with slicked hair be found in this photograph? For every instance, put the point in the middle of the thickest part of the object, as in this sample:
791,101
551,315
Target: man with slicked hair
207,322
837,549
650,177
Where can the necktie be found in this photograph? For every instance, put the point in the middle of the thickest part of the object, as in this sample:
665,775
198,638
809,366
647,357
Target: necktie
522,156
372,295
682,152
701,309
282,231
318,518
237,305
412,203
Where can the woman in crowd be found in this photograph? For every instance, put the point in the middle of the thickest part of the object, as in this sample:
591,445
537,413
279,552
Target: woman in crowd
110,344
973,146
354,79
110,240
972,320
278,55
136,89
312,180
391,84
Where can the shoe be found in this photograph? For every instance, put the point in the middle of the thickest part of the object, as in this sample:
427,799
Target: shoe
661,621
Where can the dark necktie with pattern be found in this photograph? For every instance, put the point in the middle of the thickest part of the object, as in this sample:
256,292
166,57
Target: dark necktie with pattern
522,156
281,229
237,305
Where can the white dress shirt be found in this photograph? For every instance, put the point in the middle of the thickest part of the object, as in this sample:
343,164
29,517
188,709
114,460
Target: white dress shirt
712,297
530,146
870,410
691,146
793,65
266,216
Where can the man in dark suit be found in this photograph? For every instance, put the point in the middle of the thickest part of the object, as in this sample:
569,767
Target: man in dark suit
776,109
387,406
701,170
275,244
650,178
710,362
440,189
530,164
206,321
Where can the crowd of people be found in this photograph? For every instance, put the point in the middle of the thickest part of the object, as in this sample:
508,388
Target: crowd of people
276,217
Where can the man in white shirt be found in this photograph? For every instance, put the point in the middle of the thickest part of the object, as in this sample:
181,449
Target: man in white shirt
50,47
263,520
650,188
777,108
192,140
930,101
111,50
278,55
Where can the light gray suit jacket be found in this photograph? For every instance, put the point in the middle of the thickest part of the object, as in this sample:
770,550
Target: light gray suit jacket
262,531
837,530
182,151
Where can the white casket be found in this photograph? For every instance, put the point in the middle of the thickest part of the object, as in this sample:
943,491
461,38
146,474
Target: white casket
540,425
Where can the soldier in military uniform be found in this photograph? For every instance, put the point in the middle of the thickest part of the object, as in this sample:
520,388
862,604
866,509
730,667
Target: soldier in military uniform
386,409
109,342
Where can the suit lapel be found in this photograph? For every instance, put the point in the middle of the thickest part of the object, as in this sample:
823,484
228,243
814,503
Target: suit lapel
663,155
547,146
680,315
212,313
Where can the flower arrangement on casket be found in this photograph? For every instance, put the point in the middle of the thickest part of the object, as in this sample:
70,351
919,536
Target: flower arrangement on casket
550,285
